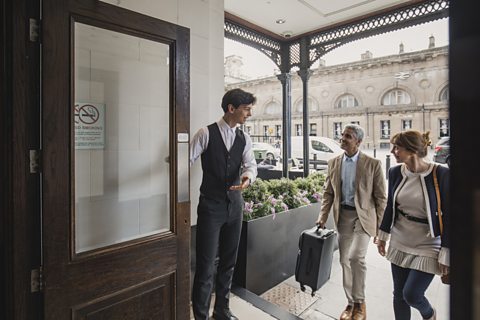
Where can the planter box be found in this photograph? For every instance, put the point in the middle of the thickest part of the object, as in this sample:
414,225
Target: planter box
268,247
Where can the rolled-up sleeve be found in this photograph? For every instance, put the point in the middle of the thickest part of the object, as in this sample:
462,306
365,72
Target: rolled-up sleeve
384,236
249,169
198,144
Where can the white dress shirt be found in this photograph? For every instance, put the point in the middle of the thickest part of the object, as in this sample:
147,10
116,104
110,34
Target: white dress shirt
199,144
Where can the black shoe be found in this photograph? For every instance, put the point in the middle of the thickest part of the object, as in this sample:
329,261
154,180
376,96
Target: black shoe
224,314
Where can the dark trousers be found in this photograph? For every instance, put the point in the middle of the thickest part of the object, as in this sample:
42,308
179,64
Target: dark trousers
218,228
409,288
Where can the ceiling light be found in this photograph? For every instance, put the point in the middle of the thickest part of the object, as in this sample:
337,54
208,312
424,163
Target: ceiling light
280,21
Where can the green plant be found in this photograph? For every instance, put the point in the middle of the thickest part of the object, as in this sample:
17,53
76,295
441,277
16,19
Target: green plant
274,196
313,185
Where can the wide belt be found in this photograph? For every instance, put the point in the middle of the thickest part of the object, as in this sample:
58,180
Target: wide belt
412,218
347,207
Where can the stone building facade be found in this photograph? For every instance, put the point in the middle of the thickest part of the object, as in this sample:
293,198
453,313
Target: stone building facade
384,95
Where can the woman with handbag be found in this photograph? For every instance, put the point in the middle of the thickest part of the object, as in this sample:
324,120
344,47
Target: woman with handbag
415,222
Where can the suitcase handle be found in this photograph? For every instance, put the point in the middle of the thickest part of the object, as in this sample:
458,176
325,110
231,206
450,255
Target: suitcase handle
327,233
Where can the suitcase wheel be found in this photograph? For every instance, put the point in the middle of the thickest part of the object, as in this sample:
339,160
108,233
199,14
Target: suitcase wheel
313,293
302,287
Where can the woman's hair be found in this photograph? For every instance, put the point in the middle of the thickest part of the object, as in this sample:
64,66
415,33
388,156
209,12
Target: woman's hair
413,141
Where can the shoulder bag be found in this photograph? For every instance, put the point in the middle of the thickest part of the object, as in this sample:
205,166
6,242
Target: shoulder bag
445,277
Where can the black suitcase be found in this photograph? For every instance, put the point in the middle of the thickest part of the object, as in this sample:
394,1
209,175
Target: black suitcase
314,259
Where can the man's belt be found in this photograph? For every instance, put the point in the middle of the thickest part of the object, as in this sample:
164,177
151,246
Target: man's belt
412,218
347,207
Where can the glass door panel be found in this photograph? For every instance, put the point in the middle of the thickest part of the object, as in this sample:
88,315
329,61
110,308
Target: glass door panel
121,128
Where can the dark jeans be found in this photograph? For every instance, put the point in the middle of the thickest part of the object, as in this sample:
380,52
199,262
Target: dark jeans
218,227
409,288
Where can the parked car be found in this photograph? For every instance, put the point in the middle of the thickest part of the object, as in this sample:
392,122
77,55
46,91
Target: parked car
271,151
321,149
442,151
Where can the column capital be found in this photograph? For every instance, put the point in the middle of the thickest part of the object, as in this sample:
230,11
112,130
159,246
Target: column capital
283,77
304,74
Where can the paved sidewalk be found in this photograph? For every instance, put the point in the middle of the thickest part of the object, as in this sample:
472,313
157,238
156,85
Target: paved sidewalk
330,300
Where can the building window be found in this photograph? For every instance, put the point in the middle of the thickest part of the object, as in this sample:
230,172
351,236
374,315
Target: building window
298,129
396,96
312,105
385,129
346,101
355,122
406,125
444,94
337,130
278,130
273,107
313,129
248,129
444,126
265,130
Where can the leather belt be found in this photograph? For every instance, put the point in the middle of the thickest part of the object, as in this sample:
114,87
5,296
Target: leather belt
347,207
412,218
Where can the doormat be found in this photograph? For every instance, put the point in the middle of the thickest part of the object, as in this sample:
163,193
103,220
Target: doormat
290,298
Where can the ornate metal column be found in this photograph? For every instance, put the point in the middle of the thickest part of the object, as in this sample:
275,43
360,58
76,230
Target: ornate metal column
304,74
286,80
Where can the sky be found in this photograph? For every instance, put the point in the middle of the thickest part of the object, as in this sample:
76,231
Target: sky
257,65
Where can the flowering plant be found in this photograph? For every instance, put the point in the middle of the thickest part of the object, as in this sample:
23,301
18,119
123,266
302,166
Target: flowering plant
271,197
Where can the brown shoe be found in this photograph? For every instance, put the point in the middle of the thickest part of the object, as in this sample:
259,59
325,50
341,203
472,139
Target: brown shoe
359,311
347,313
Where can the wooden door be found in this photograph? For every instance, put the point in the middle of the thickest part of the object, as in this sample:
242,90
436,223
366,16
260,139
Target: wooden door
115,186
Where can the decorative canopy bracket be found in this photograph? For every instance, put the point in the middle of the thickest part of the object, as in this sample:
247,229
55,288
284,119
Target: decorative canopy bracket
286,54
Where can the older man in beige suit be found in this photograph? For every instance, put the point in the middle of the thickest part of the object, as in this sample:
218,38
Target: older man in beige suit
355,188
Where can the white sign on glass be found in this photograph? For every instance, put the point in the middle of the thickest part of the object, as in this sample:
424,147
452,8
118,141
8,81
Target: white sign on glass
89,125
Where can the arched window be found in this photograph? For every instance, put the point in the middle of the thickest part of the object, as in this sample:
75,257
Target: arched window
444,94
273,107
396,96
346,101
312,105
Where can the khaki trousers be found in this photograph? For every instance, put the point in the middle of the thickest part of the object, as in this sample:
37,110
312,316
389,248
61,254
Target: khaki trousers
353,245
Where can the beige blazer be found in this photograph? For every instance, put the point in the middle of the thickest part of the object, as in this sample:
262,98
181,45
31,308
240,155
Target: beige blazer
370,192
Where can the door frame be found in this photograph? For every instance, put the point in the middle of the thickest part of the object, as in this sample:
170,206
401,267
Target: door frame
20,221
19,133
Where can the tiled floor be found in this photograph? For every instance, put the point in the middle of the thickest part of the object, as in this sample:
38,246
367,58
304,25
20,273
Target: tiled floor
243,310
329,301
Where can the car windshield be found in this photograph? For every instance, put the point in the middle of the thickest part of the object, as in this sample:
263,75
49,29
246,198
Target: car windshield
317,145
443,141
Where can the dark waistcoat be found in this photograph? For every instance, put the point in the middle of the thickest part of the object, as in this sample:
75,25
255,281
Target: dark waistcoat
221,168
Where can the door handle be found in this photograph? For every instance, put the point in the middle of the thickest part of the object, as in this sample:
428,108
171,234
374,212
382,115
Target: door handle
183,166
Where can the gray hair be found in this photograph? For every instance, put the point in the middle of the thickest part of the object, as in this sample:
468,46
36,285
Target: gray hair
359,132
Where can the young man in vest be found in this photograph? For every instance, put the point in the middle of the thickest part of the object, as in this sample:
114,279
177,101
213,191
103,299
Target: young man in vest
229,166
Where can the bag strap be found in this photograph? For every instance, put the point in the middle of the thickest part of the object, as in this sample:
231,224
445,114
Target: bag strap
439,202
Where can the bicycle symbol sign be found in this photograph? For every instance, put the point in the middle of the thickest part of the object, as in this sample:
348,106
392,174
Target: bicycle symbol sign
86,114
